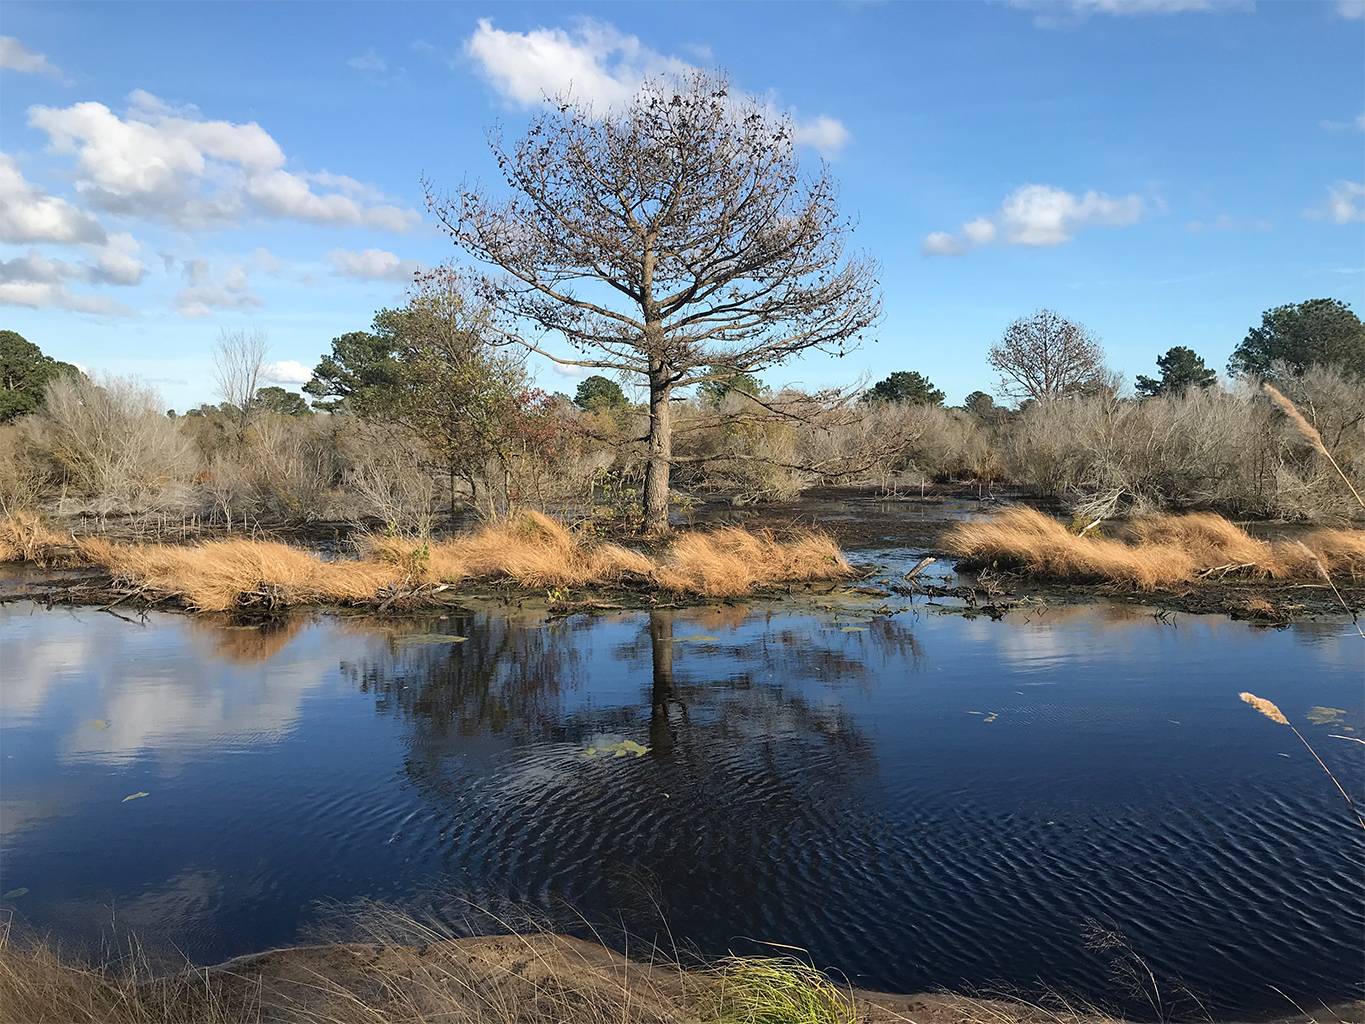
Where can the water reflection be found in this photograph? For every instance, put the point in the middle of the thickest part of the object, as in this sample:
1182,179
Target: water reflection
893,793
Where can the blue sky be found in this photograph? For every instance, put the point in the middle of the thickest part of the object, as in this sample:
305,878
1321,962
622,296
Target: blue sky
1160,170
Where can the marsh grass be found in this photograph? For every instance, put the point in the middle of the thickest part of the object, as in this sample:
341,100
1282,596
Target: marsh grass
24,537
529,550
1157,551
776,990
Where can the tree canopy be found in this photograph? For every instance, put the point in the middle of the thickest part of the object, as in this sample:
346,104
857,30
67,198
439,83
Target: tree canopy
599,394
904,386
1319,332
665,239
1046,357
1180,368
979,404
24,374
282,402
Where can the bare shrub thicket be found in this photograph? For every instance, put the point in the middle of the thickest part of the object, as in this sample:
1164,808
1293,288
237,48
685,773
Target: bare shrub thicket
105,449
111,449
1201,448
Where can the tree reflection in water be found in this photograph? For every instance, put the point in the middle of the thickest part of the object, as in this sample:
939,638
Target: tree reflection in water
752,767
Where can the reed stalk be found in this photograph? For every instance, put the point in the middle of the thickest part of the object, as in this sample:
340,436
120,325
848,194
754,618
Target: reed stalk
1272,712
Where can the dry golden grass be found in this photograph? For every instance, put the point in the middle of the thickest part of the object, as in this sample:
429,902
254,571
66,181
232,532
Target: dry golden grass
26,538
529,550
1163,550
733,561
223,573
528,978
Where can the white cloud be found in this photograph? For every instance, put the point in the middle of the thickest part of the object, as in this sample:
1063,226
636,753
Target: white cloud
826,135
118,261
373,265
1357,124
599,65
288,371
56,295
1038,216
1054,13
1345,203
369,61
203,295
201,300
167,164
115,264
29,214
1226,222
266,262
16,57
1353,9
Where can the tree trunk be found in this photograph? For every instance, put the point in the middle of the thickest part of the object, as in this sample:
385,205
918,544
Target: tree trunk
661,693
660,453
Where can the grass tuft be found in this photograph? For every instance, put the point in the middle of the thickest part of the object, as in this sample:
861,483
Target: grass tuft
24,537
529,550
776,990
1160,551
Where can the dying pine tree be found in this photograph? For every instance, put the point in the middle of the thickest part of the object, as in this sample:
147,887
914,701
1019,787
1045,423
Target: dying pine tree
674,240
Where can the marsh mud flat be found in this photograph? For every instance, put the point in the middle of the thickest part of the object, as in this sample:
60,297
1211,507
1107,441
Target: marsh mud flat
546,976
884,536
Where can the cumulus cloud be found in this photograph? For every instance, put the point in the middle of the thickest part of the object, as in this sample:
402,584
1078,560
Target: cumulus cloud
115,263
597,64
1345,204
14,56
166,163
369,61
288,371
29,214
1038,216
373,265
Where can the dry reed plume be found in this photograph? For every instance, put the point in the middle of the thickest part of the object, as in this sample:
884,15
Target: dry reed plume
1272,712
1164,550
530,550
1309,431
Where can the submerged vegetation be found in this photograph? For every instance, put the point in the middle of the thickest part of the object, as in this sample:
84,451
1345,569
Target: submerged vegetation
529,550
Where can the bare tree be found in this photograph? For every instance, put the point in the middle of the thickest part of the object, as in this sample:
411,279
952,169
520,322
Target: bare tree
1046,357
239,368
672,241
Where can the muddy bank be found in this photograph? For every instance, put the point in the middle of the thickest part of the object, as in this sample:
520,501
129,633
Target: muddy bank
883,536
543,978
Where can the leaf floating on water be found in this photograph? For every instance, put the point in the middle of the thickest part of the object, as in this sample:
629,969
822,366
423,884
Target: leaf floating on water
991,717
976,712
853,629
1324,716
14,894
98,724
617,749
133,796
431,638
699,638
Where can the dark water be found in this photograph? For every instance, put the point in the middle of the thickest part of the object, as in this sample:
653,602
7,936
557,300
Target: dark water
916,799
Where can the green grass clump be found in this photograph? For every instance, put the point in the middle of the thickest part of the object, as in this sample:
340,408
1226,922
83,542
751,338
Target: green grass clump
776,990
